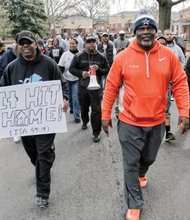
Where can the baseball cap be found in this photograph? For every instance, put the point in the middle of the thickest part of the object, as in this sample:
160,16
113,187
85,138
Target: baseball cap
122,32
90,38
105,34
26,35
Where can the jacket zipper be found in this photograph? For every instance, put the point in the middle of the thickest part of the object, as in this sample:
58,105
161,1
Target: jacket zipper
147,65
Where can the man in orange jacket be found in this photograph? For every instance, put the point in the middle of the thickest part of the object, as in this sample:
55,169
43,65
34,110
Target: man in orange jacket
141,74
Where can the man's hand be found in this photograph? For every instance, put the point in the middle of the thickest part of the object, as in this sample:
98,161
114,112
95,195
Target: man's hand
95,67
65,105
105,125
85,74
183,122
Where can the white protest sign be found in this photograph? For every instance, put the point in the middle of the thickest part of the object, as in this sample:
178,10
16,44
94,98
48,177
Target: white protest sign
31,109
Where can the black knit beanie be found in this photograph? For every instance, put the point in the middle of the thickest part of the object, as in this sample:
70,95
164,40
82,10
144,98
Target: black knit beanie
144,19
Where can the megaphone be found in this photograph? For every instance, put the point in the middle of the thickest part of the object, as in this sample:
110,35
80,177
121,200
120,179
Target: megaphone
93,84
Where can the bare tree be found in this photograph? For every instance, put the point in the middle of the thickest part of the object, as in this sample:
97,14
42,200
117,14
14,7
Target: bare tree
95,9
59,9
164,8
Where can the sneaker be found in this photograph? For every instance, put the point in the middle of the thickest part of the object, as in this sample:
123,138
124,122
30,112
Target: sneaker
133,214
143,181
42,202
17,139
96,138
84,126
77,120
170,137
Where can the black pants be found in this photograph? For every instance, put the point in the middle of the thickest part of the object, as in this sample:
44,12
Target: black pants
91,98
40,149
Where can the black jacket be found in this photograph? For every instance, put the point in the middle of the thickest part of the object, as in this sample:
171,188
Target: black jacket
108,51
83,60
43,68
8,56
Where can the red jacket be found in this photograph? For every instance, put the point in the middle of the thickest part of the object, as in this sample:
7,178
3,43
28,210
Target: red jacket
142,78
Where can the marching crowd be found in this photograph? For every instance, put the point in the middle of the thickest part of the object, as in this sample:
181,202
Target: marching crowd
137,75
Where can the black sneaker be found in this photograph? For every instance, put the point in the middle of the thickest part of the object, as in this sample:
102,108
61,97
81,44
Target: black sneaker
170,137
96,138
84,126
77,120
42,202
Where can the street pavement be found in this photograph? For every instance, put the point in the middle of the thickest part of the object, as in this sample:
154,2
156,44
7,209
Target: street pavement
87,179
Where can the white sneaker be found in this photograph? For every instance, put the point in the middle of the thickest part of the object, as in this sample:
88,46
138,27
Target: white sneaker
17,139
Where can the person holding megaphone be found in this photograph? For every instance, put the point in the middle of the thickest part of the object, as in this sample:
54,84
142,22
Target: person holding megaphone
89,65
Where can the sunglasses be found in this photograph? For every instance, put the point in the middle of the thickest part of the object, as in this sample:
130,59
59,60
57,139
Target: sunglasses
25,41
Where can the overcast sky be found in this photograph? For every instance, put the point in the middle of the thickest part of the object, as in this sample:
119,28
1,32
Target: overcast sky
128,5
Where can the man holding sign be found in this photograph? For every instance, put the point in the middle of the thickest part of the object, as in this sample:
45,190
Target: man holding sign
31,67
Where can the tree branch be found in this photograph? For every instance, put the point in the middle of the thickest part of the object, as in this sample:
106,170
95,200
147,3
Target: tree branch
177,2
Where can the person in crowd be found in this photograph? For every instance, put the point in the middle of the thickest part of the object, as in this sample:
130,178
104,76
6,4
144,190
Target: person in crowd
40,148
2,49
55,51
140,74
174,47
107,48
179,53
169,135
121,42
41,47
8,56
62,42
64,64
82,63
45,42
80,40
159,34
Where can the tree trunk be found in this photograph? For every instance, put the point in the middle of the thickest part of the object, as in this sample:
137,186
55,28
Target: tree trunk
165,8
164,16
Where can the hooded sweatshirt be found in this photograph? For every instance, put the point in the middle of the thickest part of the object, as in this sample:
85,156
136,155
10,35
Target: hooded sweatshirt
43,68
142,78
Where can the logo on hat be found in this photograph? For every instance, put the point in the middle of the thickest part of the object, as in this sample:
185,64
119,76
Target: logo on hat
145,22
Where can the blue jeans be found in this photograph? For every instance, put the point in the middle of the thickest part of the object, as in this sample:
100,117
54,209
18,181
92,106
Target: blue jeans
73,98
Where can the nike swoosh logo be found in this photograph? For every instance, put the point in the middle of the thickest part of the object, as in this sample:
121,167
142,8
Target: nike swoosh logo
161,59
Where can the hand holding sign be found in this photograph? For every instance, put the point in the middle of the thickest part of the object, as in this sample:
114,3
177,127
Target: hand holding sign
65,105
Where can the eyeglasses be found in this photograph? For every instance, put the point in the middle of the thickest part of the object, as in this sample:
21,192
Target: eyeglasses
25,41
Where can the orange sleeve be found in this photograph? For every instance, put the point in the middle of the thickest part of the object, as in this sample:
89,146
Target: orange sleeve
113,83
180,87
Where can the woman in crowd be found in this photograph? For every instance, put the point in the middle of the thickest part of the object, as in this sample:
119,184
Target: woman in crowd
64,65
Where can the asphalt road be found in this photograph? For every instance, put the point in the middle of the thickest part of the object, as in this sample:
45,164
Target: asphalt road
87,179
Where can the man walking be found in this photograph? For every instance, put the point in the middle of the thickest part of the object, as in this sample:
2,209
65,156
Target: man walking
31,66
140,75
80,66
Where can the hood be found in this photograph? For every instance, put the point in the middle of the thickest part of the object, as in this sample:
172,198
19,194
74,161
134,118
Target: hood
36,60
134,45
